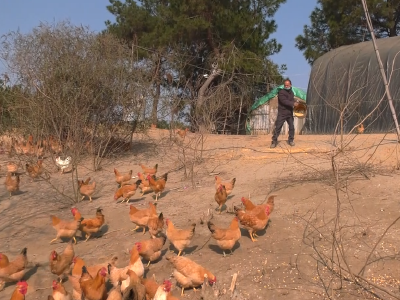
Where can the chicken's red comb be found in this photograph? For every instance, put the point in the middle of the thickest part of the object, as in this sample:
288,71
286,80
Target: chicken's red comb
103,272
22,283
167,282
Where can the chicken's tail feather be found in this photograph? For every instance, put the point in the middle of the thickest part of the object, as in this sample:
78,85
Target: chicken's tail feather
271,199
211,226
54,220
24,251
165,176
193,227
233,182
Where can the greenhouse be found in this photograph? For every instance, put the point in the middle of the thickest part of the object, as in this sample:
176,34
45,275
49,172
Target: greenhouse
347,81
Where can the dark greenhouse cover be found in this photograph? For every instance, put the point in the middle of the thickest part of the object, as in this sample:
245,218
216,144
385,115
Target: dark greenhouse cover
347,81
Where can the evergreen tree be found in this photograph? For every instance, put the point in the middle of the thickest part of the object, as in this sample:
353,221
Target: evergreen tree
336,23
235,35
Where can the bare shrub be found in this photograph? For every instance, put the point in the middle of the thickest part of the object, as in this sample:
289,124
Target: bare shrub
79,89
340,266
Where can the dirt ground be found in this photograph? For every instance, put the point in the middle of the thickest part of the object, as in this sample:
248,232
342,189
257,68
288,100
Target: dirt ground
282,264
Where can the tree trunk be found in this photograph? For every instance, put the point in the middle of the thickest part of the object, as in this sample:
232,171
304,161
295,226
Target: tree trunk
204,87
156,98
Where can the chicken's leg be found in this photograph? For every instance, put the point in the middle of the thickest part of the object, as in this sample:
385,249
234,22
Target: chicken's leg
87,237
90,198
148,264
220,209
134,229
83,197
224,253
53,240
179,253
255,234
156,197
74,239
182,291
251,236
144,229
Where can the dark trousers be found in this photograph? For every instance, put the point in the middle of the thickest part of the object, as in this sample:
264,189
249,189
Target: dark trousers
280,120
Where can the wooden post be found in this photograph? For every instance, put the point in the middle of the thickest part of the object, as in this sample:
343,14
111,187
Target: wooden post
240,113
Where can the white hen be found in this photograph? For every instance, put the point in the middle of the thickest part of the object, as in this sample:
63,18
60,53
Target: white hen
63,164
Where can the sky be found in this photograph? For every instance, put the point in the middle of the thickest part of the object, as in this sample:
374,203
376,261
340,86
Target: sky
24,15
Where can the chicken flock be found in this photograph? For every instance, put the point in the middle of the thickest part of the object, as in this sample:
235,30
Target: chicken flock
91,282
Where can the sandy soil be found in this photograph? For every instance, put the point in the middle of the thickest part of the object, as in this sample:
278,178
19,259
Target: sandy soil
282,264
